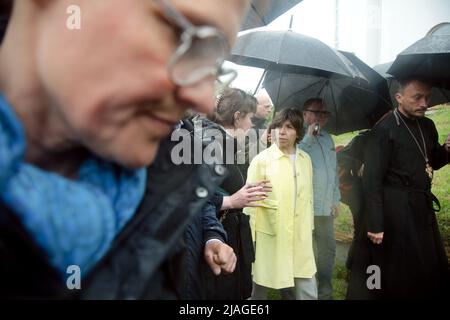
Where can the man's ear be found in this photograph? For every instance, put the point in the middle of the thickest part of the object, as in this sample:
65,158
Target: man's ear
236,115
398,97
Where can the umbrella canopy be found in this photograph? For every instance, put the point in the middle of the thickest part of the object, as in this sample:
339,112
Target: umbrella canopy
291,52
427,58
438,95
262,12
354,104
376,81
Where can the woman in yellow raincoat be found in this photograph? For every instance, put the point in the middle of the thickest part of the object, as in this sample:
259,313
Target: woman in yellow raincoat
282,226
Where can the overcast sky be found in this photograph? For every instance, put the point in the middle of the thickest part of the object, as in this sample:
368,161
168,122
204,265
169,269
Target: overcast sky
399,23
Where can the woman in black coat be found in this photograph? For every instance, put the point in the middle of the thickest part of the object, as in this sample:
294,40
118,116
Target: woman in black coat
234,111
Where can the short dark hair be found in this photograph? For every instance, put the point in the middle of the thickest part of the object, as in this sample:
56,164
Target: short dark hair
404,82
294,115
312,101
229,102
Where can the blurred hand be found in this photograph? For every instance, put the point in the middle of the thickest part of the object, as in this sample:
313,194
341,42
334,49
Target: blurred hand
376,238
447,144
335,210
220,257
361,171
311,128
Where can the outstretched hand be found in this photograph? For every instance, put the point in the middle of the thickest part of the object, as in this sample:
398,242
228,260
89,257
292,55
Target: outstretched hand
249,194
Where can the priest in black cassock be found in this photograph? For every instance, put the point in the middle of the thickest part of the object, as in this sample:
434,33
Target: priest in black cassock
399,252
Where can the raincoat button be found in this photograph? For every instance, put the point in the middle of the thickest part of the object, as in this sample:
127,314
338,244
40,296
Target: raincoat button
219,169
201,192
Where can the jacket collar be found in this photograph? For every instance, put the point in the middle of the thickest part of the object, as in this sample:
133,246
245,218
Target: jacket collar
276,153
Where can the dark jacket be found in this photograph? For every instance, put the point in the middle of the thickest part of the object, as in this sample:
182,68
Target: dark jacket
143,260
205,226
259,123
237,285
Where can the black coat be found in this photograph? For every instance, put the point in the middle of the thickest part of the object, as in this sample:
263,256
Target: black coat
237,285
398,201
144,261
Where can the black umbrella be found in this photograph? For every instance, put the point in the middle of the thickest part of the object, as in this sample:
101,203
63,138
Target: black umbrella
438,95
354,103
262,12
427,58
291,52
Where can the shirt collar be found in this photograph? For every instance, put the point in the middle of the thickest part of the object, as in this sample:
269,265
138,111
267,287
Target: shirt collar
276,153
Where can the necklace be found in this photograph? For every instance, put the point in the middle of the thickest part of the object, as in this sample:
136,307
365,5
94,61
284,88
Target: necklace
428,168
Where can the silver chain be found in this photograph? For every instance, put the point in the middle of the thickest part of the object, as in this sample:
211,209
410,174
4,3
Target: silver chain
412,135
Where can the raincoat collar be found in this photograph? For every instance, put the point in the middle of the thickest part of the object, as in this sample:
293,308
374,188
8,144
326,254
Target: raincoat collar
276,153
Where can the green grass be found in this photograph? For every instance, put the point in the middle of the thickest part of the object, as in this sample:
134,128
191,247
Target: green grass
339,281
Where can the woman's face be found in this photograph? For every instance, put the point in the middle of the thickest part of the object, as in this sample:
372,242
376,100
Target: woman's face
285,135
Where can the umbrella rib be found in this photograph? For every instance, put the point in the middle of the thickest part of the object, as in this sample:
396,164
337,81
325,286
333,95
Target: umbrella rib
351,98
279,86
333,99
323,87
376,93
281,46
260,81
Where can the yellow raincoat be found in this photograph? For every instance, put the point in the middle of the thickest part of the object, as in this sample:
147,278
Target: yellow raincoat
283,234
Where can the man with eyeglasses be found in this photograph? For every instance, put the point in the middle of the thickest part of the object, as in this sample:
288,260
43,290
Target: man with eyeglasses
320,147
263,110
83,113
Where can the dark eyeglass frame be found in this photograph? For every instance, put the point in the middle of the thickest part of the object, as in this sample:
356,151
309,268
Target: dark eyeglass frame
188,33
319,113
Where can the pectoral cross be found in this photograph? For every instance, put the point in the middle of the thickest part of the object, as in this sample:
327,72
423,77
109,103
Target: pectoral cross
429,170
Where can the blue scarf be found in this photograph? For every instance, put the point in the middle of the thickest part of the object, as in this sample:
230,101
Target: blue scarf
74,222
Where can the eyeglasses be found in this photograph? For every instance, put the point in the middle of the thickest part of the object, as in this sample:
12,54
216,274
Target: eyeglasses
322,114
200,53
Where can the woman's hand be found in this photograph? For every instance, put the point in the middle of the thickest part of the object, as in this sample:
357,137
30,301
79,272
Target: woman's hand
247,195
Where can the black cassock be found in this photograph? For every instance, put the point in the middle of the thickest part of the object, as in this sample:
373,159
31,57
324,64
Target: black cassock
398,201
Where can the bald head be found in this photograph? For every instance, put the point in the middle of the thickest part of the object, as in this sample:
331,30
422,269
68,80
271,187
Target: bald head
264,105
